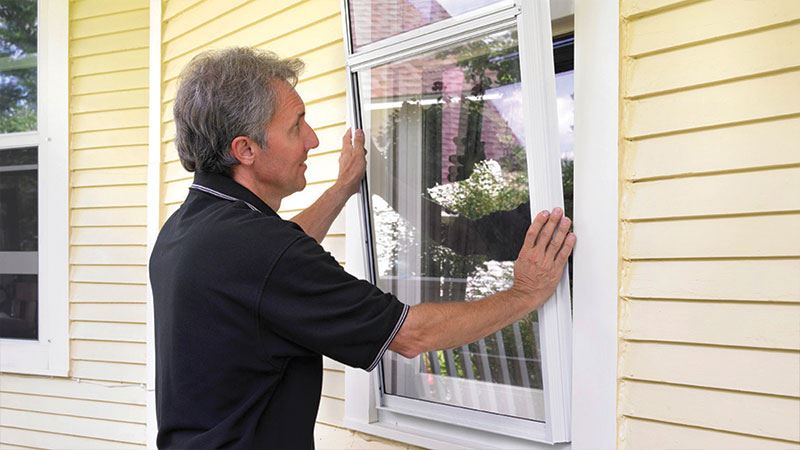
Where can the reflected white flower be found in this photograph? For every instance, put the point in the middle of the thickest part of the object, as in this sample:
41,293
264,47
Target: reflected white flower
489,278
392,233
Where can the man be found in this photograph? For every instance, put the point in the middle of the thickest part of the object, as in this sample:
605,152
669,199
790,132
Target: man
246,303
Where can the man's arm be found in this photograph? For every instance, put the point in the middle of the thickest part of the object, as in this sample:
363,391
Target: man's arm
317,218
537,271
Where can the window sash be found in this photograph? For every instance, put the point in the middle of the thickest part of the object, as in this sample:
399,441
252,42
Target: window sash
49,355
535,44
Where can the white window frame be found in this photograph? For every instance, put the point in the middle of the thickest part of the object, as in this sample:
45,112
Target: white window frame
49,354
594,341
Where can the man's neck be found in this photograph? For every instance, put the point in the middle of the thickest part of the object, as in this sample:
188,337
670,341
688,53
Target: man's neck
262,191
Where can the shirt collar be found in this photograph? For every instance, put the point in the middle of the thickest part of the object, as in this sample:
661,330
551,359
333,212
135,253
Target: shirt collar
225,187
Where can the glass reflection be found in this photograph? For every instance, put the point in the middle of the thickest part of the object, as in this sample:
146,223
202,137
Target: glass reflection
372,20
448,177
18,30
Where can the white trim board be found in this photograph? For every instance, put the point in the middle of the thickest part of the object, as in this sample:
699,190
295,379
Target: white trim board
594,339
153,220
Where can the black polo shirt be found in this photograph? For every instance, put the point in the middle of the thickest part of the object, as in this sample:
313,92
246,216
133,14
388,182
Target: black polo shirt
245,305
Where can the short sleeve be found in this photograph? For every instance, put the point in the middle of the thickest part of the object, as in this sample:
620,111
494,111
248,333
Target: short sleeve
309,299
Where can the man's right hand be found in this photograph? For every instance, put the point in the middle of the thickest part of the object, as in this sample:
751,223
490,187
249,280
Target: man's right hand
544,253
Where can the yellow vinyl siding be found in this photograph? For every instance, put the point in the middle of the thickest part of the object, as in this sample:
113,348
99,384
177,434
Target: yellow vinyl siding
312,31
709,318
102,403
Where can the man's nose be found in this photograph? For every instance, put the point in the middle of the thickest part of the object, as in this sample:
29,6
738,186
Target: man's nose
313,141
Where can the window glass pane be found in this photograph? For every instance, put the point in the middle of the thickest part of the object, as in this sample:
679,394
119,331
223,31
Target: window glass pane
18,200
372,20
18,66
18,243
18,304
449,191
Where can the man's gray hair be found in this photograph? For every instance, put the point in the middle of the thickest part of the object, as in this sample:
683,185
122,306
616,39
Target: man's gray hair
224,94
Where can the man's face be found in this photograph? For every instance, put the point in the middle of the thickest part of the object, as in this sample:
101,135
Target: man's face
289,138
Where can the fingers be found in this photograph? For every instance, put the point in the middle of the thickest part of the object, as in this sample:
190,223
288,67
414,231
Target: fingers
347,139
533,230
359,142
566,249
558,238
546,235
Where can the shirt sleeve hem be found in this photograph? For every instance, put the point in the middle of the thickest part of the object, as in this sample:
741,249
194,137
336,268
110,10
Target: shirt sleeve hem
390,339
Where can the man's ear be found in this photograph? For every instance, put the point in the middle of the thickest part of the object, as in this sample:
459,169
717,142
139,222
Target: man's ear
244,150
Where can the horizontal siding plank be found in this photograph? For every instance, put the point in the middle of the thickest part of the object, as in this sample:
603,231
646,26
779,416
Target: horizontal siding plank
769,326
751,280
323,86
195,16
176,191
133,98
124,60
174,171
117,255
109,371
88,197
737,57
129,216
110,138
328,59
174,7
735,193
76,426
109,312
108,235
108,274
170,209
322,168
646,434
330,138
104,157
116,42
282,29
70,388
127,352
40,439
94,292
753,145
721,104
117,81
702,21
630,8
208,24
757,371
109,120
128,332
91,8
755,236
333,384
753,414
327,112
303,199
109,176
328,437
116,23
72,407
331,412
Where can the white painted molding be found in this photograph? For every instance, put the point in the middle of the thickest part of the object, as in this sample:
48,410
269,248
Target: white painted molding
594,365
153,204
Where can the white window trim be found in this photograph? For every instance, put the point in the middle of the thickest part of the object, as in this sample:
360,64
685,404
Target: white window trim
153,220
49,355
594,341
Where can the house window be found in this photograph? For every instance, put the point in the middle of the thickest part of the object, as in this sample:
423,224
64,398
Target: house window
458,101
18,166
33,187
